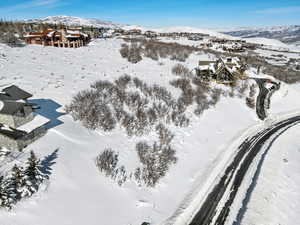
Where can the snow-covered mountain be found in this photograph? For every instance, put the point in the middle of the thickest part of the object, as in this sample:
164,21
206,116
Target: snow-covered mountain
75,21
287,34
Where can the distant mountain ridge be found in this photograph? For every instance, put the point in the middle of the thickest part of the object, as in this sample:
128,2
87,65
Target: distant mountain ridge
286,34
75,21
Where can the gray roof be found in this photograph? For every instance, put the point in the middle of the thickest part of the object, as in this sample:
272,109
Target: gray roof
14,93
13,134
10,107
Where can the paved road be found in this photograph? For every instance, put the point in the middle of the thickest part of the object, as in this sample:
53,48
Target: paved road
234,175
263,98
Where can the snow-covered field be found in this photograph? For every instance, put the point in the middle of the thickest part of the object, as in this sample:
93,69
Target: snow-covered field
78,194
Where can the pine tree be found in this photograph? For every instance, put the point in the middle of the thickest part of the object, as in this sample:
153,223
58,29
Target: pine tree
32,175
7,193
16,182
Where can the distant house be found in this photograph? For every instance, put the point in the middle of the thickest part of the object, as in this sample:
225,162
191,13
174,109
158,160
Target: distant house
150,34
69,38
19,125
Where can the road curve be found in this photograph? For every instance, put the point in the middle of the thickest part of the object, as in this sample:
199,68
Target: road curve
234,175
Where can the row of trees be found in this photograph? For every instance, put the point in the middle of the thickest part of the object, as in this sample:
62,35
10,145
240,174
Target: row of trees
21,182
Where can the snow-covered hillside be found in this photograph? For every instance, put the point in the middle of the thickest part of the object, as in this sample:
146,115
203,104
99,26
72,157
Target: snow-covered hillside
77,193
75,21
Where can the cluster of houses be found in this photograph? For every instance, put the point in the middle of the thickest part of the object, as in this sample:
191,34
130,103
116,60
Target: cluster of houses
67,38
224,71
231,46
153,34
19,124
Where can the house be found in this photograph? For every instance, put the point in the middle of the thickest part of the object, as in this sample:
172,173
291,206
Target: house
71,38
222,70
150,34
19,124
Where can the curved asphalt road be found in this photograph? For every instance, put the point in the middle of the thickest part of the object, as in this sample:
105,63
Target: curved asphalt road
234,175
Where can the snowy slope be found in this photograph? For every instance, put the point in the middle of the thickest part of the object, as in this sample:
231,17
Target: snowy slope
77,193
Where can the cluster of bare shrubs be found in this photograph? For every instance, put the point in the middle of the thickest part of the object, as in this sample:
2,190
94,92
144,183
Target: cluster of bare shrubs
181,70
137,107
156,158
155,50
131,52
250,100
107,163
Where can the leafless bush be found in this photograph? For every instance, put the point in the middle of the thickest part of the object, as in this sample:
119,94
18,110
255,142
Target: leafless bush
124,51
156,160
132,52
92,111
107,162
181,70
252,91
165,135
250,102
242,88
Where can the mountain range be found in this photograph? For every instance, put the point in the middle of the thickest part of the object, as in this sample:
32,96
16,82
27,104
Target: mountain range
75,21
286,34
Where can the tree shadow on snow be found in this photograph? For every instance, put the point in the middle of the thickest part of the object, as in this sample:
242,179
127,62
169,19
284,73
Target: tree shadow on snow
48,108
48,162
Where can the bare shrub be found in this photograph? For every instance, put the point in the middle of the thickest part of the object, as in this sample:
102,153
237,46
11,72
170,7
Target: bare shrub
156,160
165,136
132,52
123,81
181,70
242,88
107,162
124,51
250,102
93,113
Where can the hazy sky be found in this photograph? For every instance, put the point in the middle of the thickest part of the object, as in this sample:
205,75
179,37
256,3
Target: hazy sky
161,13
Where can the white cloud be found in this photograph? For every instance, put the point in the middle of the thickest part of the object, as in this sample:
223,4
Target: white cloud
32,4
283,10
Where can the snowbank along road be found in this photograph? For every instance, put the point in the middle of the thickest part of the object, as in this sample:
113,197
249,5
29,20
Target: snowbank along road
217,205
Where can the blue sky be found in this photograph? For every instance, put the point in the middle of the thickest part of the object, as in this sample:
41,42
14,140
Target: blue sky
162,13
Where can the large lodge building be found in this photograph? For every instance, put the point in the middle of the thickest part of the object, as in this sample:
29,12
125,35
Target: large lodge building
67,38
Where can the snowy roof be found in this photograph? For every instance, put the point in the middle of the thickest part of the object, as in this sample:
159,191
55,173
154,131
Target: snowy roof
14,93
51,34
207,67
38,121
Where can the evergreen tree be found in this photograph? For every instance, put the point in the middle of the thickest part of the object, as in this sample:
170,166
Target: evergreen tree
16,182
7,193
32,175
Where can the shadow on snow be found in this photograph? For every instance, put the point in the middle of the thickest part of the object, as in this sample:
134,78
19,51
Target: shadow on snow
48,108
48,162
